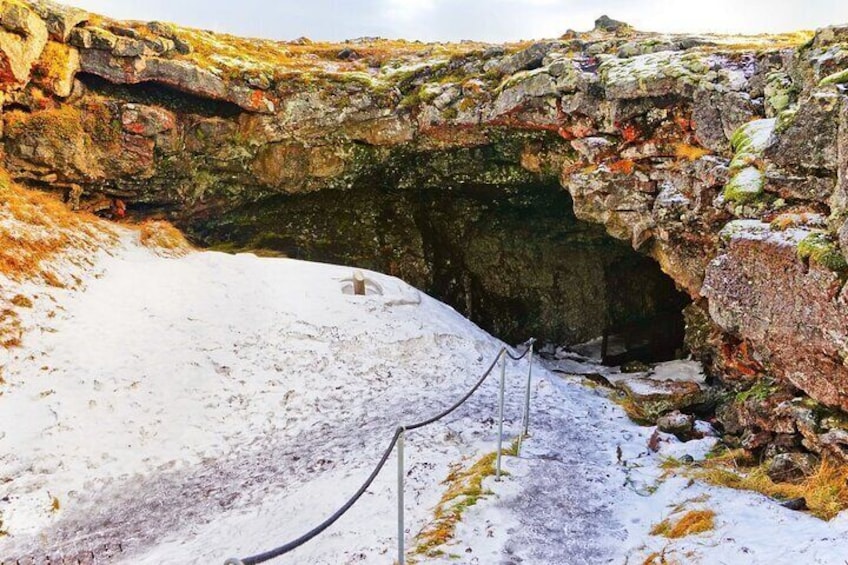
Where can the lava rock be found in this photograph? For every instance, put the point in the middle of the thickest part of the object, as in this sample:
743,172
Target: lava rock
606,23
677,423
653,398
348,54
798,504
792,467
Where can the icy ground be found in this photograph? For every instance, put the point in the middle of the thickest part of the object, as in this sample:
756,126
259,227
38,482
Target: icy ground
182,411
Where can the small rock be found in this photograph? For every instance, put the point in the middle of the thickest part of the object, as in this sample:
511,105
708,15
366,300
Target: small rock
753,440
687,459
798,504
593,148
653,398
677,423
606,23
792,467
348,54
635,367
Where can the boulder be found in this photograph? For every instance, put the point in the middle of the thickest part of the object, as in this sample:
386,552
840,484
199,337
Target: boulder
56,68
718,115
147,121
792,467
60,19
677,423
23,36
179,74
526,59
654,398
791,310
807,138
606,23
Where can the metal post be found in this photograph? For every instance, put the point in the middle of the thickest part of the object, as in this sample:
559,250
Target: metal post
401,551
527,393
500,415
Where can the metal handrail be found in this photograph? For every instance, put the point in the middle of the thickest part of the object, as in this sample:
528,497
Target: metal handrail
398,441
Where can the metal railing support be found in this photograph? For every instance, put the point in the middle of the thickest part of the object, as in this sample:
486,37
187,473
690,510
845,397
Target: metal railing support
525,422
527,392
400,474
500,415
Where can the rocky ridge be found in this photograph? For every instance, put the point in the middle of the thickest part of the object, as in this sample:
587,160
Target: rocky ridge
724,159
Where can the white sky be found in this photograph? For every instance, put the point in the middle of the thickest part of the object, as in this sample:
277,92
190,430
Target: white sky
488,20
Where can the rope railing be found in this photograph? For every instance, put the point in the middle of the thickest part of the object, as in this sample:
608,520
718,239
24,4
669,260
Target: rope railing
398,441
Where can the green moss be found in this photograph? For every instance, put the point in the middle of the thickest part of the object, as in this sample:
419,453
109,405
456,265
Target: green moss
747,178
840,77
761,390
745,187
819,247
450,113
785,119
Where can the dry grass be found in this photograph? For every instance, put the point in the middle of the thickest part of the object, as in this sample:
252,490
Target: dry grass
21,301
164,238
36,227
240,57
465,488
691,523
826,490
759,42
659,558
10,329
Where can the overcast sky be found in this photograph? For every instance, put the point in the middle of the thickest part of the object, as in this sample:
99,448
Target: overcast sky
488,20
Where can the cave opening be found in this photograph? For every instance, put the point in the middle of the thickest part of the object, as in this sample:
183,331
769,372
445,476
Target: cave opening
513,259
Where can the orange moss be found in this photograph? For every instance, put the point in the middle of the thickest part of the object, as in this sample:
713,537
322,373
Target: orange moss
623,166
630,132
657,558
690,152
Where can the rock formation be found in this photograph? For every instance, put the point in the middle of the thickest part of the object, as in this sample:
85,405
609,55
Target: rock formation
723,159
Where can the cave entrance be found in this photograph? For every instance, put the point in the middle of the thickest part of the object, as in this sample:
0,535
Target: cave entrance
515,259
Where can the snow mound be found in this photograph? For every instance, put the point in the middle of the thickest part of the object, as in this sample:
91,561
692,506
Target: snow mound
187,409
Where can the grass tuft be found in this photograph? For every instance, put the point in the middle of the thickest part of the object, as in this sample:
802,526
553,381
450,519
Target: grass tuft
164,238
691,523
465,488
826,490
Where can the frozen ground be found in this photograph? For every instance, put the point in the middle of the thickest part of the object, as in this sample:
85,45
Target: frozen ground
182,411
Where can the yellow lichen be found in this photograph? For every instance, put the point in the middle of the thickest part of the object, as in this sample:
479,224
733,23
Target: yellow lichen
690,152
54,65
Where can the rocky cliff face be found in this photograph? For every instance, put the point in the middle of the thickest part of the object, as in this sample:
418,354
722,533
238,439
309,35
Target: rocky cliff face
723,159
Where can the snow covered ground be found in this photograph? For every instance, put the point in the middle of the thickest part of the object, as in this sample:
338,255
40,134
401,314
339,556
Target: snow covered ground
186,410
